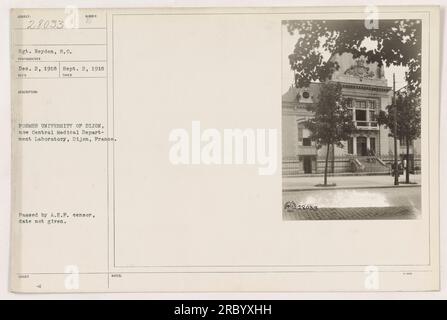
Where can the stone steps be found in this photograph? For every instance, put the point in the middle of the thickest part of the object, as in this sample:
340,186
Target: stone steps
373,165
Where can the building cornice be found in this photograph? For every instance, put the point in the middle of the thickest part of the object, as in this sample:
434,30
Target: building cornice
362,86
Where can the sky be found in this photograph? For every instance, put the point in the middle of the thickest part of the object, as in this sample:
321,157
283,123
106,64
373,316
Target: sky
289,42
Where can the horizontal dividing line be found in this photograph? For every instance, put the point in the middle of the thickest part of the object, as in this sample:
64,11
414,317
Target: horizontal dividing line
282,266
51,29
264,13
32,61
59,44
232,291
61,78
197,272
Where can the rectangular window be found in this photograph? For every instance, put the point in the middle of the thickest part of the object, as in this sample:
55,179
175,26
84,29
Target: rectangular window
307,142
361,104
350,148
360,115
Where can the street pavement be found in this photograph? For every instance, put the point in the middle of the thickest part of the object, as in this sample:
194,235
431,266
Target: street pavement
354,204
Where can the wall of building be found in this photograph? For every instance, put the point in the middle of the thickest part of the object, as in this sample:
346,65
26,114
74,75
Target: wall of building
289,136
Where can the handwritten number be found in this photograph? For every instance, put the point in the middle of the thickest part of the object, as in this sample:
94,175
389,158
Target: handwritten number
45,24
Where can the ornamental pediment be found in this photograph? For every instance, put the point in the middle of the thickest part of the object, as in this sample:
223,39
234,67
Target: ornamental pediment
360,70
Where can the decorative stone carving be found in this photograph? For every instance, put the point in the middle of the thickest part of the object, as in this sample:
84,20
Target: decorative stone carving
360,70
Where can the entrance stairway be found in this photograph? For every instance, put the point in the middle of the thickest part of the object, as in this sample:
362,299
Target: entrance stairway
370,164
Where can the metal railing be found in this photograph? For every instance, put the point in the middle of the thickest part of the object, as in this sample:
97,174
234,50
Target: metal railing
369,125
355,164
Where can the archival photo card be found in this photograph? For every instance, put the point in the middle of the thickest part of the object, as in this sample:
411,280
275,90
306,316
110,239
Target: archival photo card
225,149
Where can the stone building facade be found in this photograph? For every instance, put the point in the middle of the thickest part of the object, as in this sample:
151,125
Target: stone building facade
370,150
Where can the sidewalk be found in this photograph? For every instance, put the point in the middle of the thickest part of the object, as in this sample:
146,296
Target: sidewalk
347,182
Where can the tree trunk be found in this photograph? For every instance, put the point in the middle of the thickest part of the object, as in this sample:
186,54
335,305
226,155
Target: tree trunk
407,173
325,165
332,158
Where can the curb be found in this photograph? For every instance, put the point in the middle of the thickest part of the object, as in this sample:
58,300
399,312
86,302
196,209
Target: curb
350,188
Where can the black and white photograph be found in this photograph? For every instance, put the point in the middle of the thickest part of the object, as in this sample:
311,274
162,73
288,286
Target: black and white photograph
351,119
